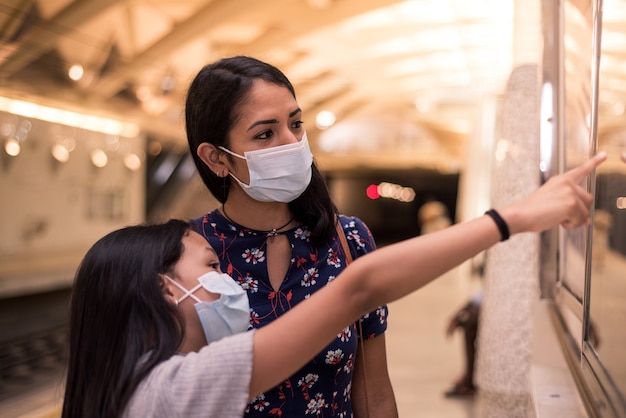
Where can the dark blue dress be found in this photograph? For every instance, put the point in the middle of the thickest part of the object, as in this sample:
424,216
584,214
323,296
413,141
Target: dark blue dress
322,387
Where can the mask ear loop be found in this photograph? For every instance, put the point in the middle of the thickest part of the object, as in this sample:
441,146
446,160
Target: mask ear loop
187,292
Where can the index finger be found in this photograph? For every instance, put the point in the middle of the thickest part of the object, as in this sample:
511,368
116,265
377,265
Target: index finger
579,173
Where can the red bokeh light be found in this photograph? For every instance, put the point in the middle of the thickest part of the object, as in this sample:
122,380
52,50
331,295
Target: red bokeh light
372,191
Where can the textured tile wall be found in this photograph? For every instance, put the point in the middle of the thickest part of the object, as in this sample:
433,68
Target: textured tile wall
511,275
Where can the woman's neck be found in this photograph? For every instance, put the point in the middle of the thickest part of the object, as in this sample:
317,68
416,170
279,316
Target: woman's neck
260,216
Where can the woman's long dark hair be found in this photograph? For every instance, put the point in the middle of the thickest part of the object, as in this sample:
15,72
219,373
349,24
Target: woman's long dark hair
120,324
213,99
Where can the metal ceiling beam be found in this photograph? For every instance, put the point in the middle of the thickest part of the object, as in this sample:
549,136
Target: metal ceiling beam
43,37
220,11
11,20
215,13
311,19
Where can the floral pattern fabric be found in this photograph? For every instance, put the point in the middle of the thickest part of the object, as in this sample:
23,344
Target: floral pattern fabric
322,387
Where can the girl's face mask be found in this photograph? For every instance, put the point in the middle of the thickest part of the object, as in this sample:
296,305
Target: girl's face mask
228,315
277,174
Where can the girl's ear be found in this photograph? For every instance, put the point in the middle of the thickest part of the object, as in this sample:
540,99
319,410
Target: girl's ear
166,288
210,155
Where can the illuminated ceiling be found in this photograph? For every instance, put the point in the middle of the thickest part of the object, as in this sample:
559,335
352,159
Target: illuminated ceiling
412,75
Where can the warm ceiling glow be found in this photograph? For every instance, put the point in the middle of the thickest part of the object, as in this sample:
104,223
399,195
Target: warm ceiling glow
65,117
156,105
143,93
99,158
60,153
12,147
319,4
132,161
325,119
237,33
76,72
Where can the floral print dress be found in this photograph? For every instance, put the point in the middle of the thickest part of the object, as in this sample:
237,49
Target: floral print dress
322,387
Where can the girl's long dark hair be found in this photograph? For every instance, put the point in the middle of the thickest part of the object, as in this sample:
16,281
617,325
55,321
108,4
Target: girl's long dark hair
213,99
120,323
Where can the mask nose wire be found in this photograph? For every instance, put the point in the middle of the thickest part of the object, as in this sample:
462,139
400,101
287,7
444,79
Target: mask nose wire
187,292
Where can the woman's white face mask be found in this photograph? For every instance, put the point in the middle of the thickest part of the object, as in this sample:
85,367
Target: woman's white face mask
228,315
277,174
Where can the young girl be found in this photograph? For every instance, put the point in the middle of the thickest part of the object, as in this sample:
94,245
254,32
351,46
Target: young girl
148,299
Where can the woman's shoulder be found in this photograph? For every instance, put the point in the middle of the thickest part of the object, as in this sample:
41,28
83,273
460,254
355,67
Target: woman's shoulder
349,222
358,234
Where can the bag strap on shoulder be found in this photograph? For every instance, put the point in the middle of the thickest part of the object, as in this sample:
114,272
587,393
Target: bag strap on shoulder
346,249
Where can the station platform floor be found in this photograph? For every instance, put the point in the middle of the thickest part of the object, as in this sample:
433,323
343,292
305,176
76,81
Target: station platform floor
423,362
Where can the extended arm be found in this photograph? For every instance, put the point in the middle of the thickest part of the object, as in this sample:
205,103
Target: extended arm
387,274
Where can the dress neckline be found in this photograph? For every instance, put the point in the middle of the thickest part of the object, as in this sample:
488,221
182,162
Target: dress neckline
271,233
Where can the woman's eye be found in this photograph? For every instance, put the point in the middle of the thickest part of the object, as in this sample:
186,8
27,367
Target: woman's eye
264,135
216,266
297,124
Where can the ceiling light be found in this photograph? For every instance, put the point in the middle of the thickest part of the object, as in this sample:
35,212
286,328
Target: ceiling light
60,153
237,33
64,117
76,72
325,119
156,105
319,4
12,147
99,158
143,93
69,144
132,161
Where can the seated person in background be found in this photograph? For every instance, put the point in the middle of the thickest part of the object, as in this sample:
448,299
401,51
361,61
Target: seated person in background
156,330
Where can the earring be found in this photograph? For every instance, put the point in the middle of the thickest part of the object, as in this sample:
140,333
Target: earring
224,189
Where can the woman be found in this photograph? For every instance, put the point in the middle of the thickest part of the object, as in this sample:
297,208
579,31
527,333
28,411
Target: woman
138,333
275,232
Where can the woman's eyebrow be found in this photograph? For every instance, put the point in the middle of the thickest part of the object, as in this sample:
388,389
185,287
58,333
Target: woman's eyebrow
295,112
262,122
268,121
